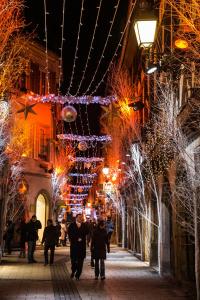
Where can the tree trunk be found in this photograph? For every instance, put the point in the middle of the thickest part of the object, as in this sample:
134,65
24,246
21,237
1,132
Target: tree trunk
197,243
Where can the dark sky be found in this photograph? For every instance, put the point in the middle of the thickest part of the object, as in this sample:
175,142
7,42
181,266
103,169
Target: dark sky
35,14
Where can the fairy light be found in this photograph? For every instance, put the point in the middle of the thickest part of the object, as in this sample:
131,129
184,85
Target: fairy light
115,53
61,47
76,51
91,47
84,187
74,196
82,175
46,46
80,138
105,46
72,100
87,159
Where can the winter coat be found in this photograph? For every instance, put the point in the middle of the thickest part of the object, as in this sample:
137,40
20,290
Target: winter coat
63,231
99,243
8,235
50,235
109,226
32,230
77,237
22,231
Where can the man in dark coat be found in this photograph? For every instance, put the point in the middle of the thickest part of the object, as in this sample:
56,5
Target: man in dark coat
99,244
77,232
8,235
50,237
32,236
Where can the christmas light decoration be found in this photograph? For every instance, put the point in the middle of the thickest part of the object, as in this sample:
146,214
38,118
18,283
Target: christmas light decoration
69,114
87,159
72,100
85,187
82,175
4,110
80,138
82,146
79,195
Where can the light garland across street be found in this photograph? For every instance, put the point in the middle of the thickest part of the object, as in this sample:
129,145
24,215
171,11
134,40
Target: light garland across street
84,187
73,100
87,159
82,175
81,138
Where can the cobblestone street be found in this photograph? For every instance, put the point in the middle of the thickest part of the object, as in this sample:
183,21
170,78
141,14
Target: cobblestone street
126,278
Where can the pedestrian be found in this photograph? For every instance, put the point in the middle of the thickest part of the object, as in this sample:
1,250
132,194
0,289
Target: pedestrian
58,228
63,233
8,236
109,228
93,225
22,232
77,233
32,236
99,245
50,237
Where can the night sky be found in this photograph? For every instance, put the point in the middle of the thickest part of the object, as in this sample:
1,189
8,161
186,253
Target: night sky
34,14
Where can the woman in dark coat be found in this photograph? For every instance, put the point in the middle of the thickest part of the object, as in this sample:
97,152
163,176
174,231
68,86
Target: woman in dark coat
98,246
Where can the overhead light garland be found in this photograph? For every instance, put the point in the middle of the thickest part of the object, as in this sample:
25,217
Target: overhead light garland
84,187
75,195
80,138
72,100
87,159
82,175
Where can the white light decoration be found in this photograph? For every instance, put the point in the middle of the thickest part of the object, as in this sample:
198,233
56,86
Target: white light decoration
80,138
145,32
82,175
106,170
4,110
84,187
82,146
86,159
69,114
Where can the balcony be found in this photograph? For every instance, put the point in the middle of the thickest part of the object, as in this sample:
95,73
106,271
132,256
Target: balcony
189,115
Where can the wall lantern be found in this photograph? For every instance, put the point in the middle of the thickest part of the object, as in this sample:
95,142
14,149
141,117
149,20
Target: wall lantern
145,24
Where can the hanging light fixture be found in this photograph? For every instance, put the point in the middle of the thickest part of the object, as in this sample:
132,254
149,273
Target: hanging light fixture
145,24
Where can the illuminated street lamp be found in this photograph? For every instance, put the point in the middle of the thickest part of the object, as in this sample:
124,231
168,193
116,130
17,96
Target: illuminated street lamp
145,24
105,170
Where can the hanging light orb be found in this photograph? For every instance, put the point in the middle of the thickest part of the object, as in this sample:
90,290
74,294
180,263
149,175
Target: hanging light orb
69,114
181,44
82,146
80,190
4,110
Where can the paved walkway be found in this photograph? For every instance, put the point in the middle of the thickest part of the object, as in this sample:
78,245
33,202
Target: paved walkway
127,278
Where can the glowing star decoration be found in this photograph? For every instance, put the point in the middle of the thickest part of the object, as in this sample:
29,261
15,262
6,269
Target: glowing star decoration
27,109
4,110
82,146
69,114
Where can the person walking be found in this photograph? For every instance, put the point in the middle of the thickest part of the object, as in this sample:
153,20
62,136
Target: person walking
22,232
50,237
77,232
109,228
99,245
32,236
8,236
63,230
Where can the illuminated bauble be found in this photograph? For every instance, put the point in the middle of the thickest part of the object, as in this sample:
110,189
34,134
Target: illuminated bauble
82,146
87,165
4,110
80,190
69,114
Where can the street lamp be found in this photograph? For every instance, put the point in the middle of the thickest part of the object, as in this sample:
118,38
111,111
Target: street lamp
145,24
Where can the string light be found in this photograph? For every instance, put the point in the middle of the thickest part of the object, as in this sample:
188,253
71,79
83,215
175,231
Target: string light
82,175
91,47
73,100
71,196
61,47
80,138
105,45
87,159
76,51
46,46
115,53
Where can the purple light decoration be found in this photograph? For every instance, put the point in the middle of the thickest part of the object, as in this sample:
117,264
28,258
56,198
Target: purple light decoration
73,100
82,175
79,195
87,159
84,187
81,138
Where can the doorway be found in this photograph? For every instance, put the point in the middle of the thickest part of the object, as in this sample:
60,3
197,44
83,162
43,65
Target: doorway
41,213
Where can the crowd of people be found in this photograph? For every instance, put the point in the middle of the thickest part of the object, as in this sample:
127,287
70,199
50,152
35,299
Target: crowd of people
81,234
